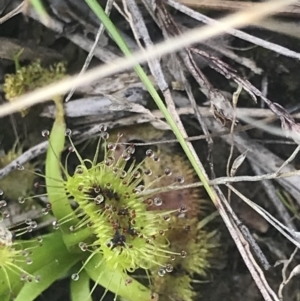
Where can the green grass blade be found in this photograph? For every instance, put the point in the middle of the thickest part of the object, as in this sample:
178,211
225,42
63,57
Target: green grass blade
49,274
97,9
40,9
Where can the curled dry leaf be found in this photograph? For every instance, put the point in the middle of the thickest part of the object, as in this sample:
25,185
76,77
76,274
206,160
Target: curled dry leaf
288,123
237,163
295,272
221,108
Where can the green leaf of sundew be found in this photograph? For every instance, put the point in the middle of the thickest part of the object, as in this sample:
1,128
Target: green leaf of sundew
72,239
5,297
49,273
115,280
80,289
54,182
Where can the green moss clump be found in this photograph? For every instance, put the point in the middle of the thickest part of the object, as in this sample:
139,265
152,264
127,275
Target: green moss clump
29,78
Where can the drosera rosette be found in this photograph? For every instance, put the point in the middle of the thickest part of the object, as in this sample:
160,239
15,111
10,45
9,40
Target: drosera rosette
189,231
111,201
15,258
111,207
188,226
174,287
25,258
203,249
30,77
15,184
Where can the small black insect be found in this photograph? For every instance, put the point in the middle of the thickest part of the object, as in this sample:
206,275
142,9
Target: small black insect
110,194
131,231
123,211
118,240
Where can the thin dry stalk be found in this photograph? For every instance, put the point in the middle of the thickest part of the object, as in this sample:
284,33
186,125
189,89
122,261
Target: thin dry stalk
274,199
285,279
237,33
262,157
289,160
18,10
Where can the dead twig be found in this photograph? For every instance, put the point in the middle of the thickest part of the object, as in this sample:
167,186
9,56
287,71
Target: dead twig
262,157
285,279
291,10
290,159
82,41
274,198
18,10
245,252
30,51
170,28
290,234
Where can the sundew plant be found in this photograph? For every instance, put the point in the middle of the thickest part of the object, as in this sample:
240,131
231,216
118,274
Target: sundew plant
117,221
112,224
14,256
